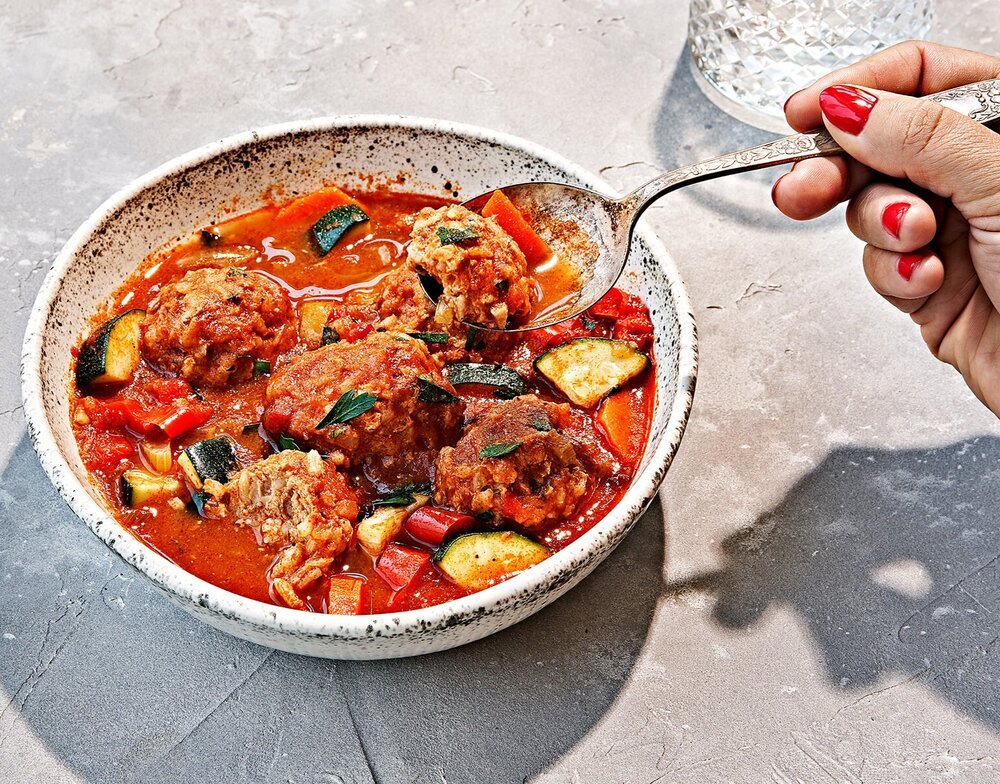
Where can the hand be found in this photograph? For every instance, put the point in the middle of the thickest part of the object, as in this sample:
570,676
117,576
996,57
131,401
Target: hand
923,190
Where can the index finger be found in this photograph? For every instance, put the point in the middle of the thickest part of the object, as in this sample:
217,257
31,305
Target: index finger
910,68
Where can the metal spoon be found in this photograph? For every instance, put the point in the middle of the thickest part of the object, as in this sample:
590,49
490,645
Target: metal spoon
609,223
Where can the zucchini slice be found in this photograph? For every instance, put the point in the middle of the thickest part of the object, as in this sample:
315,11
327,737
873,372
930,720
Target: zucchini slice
214,458
385,524
508,382
587,369
138,487
313,314
111,355
477,561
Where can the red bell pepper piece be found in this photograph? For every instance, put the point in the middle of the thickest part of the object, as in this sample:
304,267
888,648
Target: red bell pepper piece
177,421
348,595
432,525
512,221
542,339
399,565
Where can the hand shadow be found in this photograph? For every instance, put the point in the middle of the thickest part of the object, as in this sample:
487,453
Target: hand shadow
892,559
122,686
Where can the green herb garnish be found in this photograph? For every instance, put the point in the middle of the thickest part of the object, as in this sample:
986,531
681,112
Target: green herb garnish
330,335
433,393
498,450
588,324
288,443
470,339
541,425
430,337
403,496
456,236
236,272
328,230
261,367
348,406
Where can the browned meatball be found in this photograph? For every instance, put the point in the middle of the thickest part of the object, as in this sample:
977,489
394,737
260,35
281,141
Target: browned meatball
415,412
303,505
540,481
484,277
397,303
210,326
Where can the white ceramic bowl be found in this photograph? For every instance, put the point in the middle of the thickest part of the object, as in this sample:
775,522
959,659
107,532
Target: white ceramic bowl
427,156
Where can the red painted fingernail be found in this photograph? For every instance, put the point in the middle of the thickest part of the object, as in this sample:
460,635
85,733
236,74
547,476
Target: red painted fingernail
892,216
847,107
907,263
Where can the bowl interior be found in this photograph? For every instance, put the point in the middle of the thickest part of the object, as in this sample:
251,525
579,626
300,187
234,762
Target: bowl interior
245,172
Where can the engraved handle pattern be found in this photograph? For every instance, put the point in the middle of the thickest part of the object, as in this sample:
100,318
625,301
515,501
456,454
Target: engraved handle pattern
979,101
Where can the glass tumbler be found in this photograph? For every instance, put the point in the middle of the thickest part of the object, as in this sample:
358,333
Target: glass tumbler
749,55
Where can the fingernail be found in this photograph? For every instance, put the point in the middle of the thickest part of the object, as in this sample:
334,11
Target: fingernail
892,217
847,107
774,188
907,263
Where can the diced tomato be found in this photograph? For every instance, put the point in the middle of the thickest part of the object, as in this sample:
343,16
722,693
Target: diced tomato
348,595
105,450
107,414
608,306
167,390
637,328
621,420
400,565
432,525
313,206
541,339
513,508
355,332
512,221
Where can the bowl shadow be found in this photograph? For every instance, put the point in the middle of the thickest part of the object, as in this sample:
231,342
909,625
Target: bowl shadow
892,557
122,686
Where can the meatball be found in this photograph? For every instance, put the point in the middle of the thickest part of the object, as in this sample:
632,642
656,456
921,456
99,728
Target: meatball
540,481
482,271
303,505
415,411
397,303
210,326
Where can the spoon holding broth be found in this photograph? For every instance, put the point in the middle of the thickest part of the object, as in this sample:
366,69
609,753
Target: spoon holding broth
589,234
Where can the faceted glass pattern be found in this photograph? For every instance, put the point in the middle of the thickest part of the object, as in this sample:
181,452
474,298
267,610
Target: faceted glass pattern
758,52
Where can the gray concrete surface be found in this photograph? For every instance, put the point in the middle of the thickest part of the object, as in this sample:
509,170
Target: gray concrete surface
815,597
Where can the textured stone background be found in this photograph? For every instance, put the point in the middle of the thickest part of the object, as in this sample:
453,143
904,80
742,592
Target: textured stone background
815,598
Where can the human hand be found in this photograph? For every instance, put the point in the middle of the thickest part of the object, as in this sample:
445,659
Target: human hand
923,190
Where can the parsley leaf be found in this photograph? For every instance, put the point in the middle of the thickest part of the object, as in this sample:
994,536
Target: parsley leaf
286,442
498,450
456,236
261,367
350,405
329,335
402,496
430,337
433,393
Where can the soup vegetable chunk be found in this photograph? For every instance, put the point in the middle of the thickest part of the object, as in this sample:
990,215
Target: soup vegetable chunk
275,405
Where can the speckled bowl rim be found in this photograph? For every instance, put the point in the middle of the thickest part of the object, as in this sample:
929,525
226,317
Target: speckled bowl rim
171,578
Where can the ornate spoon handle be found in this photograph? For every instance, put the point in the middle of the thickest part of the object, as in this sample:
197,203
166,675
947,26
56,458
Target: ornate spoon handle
979,101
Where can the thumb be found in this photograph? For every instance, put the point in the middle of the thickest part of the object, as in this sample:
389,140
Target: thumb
922,141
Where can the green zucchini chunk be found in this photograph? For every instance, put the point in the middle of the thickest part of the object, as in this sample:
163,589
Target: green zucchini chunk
111,355
507,381
585,370
331,227
214,458
477,561
137,487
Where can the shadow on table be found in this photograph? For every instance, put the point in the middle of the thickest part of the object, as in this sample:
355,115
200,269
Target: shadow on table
891,558
690,128
123,687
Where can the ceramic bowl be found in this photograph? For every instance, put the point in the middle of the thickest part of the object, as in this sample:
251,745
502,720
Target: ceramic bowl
243,172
